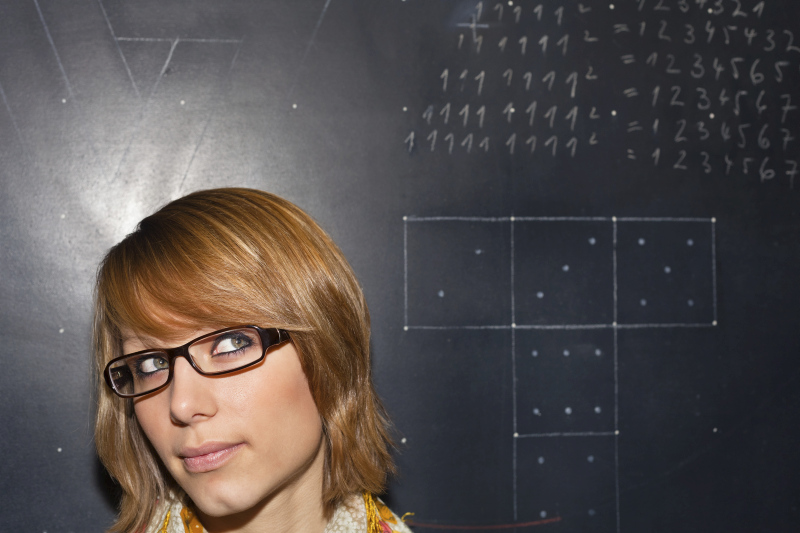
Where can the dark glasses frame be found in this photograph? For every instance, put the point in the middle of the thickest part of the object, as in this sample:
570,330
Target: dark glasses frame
269,337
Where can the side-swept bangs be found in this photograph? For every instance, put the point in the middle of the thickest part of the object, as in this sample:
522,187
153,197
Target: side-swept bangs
228,257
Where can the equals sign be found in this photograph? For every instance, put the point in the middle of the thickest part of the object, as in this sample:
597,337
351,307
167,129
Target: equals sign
628,59
631,155
630,93
621,28
634,126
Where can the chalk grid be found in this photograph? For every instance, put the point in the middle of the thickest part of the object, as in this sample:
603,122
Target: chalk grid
685,265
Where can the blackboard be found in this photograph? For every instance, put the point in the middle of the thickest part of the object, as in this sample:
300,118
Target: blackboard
576,224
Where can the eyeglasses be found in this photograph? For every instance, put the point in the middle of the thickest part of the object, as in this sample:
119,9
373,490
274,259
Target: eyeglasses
213,354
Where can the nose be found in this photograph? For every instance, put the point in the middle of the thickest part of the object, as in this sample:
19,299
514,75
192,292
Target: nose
192,396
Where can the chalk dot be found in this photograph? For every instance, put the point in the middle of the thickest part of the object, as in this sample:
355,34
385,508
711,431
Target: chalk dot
405,328
478,251
592,241
63,216
598,352
614,113
711,116
543,514
598,410
536,411
294,106
568,410
714,323
616,432
510,3
535,353
403,440
183,102
690,242
715,430
61,330
610,6
441,294
690,303
541,460
565,268
540,295
566,353
591,512
714,219
59,450
710,11
643,302
63,100
614,323
512,219
641,242
516,435
590,458
513,325
667,270
405,109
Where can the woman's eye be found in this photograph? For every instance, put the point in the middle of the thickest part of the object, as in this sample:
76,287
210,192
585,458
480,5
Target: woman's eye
231,343
153,363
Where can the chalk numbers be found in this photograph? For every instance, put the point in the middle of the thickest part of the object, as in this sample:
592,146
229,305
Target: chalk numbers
512,87
723,76
701,86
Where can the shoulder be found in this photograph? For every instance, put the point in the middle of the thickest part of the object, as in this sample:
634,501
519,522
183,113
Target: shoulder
351,517
390,522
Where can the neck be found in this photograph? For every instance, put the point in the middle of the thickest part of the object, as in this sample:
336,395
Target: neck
295,507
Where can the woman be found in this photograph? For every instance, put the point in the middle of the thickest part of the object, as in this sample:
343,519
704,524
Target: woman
233,339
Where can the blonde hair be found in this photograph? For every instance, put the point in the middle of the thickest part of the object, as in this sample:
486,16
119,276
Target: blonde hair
229,257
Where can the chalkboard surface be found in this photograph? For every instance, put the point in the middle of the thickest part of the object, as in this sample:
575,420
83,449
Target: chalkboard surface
576,224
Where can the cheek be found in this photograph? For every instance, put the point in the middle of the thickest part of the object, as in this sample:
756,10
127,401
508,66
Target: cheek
282,404
153,416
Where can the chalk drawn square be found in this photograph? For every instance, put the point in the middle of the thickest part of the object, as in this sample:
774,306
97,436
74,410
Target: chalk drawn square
563,272
458,273
572,479
565,381
665,272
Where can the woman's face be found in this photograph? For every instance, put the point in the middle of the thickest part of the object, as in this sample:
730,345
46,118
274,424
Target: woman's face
235,442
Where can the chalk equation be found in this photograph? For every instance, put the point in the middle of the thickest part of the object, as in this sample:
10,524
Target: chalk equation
683,85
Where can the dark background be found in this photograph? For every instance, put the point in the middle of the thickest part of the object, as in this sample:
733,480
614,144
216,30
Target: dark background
586,320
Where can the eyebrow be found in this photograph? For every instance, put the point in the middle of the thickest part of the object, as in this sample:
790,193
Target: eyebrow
151,343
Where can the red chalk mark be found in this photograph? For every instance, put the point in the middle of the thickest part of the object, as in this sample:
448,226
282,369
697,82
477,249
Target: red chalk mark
484,528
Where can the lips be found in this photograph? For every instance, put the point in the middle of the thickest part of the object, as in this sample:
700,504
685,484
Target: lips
209,456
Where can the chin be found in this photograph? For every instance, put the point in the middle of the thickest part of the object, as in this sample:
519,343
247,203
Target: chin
218,502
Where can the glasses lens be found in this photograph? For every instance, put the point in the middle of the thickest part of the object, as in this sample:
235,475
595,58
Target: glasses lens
227,351
140,373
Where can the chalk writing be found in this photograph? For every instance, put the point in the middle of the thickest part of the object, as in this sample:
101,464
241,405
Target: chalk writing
697,86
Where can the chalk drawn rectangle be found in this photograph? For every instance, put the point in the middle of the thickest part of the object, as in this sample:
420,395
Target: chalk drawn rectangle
458,273
565,381
665,272
563,272
570,478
